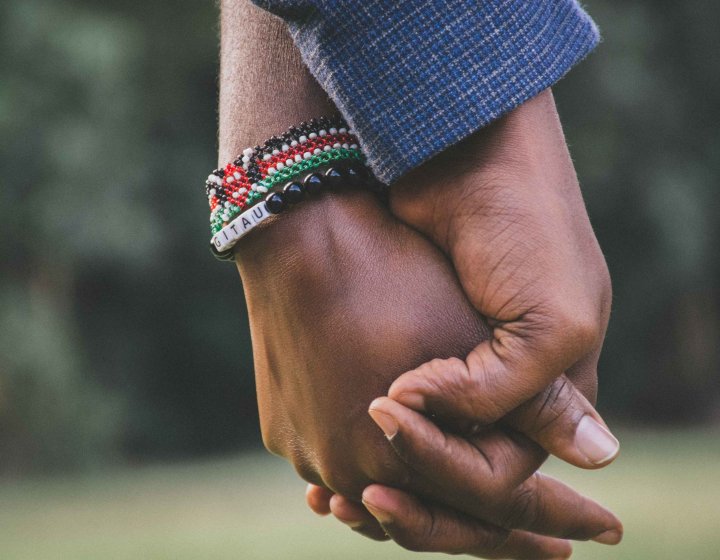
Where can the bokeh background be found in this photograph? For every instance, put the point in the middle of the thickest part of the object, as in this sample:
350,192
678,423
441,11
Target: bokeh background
129,430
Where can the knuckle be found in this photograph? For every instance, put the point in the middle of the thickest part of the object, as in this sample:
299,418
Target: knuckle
410,540
418,537
581,327
388,471
523,509
448,369
491,539
306,470
550,407
344,483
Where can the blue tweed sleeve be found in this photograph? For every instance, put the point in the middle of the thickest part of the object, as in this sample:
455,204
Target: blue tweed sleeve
414,77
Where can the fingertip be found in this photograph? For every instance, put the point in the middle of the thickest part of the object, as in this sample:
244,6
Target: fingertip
381,411
611,537
382,502
383,404
595,442
407,391
318,499
374,494
347,511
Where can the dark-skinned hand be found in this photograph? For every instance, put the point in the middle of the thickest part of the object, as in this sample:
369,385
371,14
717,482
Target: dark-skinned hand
342,300
510,201
337,312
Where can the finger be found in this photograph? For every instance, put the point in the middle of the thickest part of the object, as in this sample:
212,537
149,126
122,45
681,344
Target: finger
564,423
480,478
431,528
318,499
356,517
559,418
498,375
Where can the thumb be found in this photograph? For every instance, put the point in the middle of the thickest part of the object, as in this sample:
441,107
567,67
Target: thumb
566,425
499,374
559,418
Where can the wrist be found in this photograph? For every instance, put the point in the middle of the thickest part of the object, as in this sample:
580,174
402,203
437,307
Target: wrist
522,154
264,85
317,236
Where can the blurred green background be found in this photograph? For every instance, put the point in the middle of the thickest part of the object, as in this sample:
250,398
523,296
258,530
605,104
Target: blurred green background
127,429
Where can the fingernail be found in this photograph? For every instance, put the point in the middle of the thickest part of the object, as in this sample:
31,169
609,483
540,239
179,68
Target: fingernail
381,515
412,400
609,537
595,442
387,423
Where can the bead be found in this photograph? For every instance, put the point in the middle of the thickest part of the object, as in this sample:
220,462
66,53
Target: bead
311,147
356,175
335,177
313,183
275,202
294,192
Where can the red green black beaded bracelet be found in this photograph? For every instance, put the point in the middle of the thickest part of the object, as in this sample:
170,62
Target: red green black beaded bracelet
266,179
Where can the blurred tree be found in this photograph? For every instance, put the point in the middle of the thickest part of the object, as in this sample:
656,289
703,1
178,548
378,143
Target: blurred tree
113,313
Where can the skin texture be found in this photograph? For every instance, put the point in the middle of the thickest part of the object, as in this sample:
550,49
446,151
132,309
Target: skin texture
343,299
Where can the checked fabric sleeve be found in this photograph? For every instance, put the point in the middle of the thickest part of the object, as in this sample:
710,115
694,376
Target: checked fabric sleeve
413,77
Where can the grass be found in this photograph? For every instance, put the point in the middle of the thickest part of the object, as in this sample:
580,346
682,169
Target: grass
665,487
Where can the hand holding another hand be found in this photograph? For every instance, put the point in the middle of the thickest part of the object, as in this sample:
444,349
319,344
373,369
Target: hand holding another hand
340,311
347,303
506,208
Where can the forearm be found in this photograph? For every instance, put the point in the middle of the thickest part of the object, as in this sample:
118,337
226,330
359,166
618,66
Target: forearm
264,85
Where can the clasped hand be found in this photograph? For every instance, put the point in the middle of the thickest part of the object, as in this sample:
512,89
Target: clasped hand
468,320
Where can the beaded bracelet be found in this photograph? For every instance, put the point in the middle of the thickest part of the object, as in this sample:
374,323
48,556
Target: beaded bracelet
266,179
